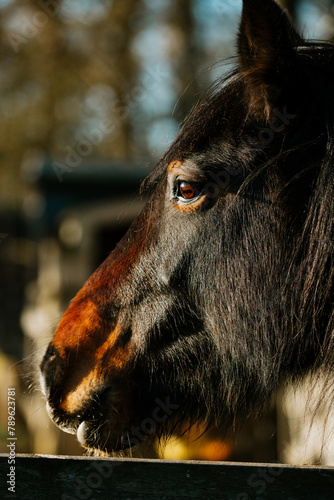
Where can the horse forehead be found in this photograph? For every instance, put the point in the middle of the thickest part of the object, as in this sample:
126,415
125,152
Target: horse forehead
174,166
189,168
197,165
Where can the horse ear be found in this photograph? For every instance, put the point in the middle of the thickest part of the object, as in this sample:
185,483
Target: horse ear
266,42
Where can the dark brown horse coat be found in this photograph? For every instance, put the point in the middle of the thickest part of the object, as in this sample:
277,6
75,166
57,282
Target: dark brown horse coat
222,289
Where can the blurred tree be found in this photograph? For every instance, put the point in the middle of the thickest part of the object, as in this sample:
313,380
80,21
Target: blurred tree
35,60
184,53
66,78
72,74
115,34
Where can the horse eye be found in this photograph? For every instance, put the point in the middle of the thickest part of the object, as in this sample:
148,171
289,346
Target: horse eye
187,190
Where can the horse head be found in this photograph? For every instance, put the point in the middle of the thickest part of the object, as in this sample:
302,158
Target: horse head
222,287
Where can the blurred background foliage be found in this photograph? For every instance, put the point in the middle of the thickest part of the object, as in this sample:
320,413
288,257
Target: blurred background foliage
105,82
68,65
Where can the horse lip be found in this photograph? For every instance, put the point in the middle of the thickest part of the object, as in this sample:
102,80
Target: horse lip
94,420
66,424
86,431
81,421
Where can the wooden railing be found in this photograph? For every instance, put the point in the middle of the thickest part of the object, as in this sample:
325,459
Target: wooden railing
83,478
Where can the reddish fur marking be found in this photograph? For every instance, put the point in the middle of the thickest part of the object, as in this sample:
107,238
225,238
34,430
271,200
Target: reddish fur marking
173,165
89,343
75,327
91,372
83,341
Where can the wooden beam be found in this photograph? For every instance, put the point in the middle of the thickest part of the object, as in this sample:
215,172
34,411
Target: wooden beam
83,478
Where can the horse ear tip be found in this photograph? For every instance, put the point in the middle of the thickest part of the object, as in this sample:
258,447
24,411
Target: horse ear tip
266,44
265,30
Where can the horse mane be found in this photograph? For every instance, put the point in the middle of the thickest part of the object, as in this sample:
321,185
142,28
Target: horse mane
312,264
213,109
301,295
205,118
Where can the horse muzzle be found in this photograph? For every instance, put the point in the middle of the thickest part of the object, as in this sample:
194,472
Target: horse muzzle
98,414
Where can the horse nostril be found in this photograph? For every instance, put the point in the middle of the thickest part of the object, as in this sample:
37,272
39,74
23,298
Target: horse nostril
51,369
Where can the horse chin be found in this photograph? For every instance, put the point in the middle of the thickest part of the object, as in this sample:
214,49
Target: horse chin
92,433
99,437
103,431
97,423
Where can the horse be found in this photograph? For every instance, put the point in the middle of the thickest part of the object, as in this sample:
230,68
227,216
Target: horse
222,290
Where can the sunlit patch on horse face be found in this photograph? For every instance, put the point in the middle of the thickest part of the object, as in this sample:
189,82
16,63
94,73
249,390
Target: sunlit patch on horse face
93,380
188,208
88,356
174,165
76,326
95,373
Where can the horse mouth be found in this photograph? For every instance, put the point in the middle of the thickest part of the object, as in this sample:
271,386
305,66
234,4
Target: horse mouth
104,426
98,435
97,425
